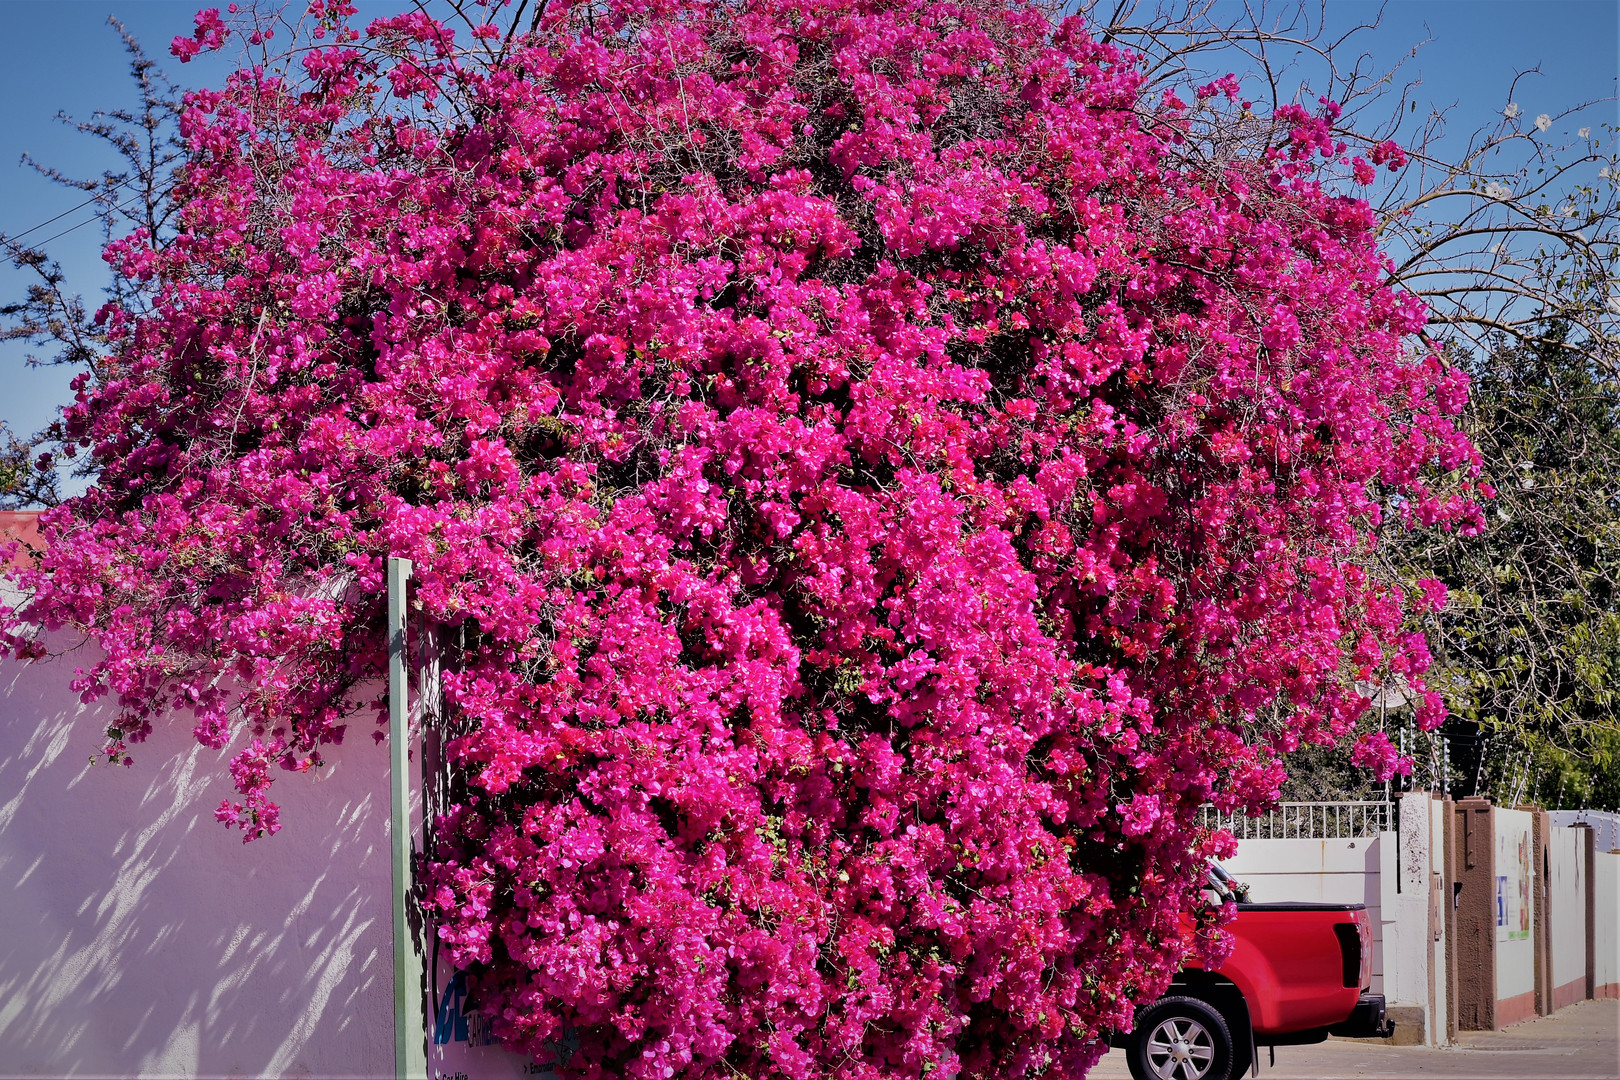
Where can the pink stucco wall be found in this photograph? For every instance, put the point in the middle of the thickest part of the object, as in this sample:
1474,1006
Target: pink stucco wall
139,938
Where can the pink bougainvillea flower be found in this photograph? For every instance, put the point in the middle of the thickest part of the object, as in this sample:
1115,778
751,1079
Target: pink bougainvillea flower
871,479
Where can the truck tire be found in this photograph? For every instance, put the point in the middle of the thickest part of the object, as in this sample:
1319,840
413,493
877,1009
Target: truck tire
1180,1038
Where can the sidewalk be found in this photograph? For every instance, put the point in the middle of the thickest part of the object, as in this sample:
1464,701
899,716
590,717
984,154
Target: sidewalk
1580,1042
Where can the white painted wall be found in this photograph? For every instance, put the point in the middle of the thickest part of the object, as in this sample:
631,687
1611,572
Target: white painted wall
143,938
1566,904
1606,924
1515,899
1321,871
1604,823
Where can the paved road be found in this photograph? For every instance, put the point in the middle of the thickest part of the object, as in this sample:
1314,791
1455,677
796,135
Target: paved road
1581,1042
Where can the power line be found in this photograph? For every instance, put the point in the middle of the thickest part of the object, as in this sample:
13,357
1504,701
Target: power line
72,209
70,228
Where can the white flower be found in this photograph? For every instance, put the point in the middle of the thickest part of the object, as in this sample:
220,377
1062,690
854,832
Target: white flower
1493,190
1584,132
1603,173
1614,304
1511,111
1543,122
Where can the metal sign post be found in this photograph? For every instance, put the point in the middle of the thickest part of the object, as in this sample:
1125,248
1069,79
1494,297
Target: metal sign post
410,1055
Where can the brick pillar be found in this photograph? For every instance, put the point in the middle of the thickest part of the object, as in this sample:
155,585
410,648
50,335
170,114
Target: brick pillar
1475,915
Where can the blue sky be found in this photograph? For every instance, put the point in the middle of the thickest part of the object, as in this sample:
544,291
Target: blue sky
63,56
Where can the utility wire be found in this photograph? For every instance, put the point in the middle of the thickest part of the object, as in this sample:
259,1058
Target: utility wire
101,194
64,232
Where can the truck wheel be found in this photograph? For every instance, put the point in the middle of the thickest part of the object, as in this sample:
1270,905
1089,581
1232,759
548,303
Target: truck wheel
1180,1038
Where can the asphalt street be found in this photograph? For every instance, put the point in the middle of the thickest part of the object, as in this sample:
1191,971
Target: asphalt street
1580,1042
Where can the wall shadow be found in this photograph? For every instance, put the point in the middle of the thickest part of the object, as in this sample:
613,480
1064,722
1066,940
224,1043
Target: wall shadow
142,938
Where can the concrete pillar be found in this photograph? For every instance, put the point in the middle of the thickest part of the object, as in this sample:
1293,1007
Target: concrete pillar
1589,855
1404,913
1438,901
1542,927
1451,883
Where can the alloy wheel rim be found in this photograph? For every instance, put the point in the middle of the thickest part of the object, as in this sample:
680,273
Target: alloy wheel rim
1180,1048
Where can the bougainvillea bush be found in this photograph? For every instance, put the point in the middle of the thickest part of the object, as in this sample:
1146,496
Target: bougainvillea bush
874,469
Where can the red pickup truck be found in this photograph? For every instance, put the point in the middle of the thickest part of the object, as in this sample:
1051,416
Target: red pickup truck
1297,974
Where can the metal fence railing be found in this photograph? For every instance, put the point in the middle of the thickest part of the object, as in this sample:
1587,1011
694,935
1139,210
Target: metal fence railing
1306,821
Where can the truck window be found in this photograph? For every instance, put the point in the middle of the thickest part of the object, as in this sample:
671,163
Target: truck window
1222,887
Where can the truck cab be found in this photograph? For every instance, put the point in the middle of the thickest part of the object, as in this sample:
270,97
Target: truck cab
1298,972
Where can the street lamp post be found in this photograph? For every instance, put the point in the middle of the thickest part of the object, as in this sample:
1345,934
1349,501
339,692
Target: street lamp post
410,1056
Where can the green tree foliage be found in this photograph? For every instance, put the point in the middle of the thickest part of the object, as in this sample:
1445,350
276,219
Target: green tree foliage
1528,649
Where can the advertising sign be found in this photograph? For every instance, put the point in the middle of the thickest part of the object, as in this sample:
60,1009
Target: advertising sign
462,1047
1513,885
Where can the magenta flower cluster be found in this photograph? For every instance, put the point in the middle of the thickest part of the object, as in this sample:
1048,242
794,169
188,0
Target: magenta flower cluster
873,473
